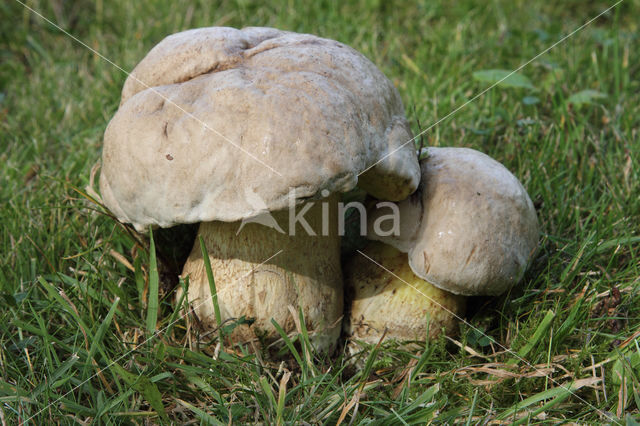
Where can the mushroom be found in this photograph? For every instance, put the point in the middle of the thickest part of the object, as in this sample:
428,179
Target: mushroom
253,133
470,229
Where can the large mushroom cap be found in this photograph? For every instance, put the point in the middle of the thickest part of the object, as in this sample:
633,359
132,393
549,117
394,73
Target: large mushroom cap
471,228
223,124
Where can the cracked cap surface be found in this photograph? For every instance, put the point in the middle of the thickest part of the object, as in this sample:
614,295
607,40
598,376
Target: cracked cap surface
225,124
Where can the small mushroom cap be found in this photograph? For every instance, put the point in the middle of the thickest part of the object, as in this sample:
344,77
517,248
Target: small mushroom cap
471,227
205,107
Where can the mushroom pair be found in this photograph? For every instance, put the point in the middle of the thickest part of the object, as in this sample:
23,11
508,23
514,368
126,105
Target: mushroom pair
238,129
254,134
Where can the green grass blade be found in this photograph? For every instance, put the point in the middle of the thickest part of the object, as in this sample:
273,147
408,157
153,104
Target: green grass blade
557,395
154,280
96,342
268,392
173,320
212,288
538,335
51,382
138,276
146,387
205,418
292,349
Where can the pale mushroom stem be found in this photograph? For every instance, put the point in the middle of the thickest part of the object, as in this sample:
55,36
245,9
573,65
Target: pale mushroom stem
306,274
392,301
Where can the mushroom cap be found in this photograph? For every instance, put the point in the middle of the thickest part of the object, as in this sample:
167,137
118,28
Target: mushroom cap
471,227
225,124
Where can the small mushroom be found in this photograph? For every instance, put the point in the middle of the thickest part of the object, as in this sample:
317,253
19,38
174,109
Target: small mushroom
245,132
470,229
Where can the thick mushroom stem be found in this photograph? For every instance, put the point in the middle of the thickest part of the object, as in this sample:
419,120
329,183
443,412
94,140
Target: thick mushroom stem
391,301
262,274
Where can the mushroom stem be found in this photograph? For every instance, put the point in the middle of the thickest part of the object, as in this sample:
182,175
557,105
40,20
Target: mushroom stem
390,300
254,280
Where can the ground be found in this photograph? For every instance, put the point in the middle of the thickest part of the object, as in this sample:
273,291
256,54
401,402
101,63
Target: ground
80,297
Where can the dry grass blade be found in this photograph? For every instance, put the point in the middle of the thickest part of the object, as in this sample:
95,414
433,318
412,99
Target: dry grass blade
404,377
353,403
90,188
282,393
467,349
123,260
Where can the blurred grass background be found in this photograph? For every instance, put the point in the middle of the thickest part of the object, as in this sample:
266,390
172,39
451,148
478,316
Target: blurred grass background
73,292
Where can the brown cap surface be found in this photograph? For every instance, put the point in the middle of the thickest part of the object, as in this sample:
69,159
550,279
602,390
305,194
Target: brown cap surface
213,119
471,227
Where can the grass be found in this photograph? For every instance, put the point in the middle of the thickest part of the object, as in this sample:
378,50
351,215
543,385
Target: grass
78,300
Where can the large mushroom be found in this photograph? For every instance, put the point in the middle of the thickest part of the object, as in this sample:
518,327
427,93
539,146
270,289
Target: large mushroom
470,229
252,133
